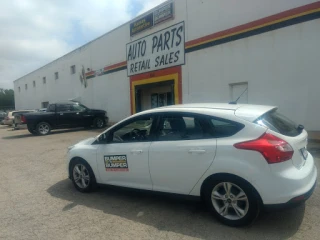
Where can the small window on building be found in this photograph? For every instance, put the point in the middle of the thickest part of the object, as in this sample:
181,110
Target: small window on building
239,91
44,104
73,69
19,89
44,80
34,83
56,75
26,86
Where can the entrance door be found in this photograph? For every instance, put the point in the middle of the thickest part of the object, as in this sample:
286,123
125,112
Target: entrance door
154,95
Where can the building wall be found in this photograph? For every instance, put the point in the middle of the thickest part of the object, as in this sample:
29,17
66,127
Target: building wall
280,66
281,69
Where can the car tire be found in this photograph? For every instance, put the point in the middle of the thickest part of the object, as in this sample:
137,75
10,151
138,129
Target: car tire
43,128
99,122
232,200
82,176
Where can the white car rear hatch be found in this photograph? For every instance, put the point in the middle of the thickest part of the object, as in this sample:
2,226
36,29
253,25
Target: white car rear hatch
282,127
252,112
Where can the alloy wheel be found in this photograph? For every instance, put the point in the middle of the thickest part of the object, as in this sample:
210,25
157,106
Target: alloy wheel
81,176
44,128
99,123
230,201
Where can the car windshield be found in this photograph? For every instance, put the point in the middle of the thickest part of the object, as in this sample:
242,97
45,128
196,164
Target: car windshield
79,107
279,123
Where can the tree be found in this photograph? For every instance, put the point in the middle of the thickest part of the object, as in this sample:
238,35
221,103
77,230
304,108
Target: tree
6,98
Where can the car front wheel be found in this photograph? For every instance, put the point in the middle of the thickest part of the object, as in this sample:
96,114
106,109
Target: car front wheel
99,122
82,176
232,200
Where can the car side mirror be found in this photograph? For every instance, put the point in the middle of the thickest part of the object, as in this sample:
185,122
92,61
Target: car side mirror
102,139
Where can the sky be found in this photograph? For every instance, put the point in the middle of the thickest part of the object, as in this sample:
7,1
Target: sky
35,32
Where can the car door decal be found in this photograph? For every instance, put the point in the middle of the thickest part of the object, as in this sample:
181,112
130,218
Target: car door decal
116,163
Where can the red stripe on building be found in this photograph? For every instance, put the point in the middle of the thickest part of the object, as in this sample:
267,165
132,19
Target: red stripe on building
256,23
114,66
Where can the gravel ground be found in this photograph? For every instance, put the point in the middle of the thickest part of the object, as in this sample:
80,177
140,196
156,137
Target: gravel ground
37,201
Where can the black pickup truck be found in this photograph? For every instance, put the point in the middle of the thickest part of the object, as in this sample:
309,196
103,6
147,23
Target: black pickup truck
64,115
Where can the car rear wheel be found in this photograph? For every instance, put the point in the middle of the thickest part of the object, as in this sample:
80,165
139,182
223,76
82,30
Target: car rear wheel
82,176
99,122
43,128
232,200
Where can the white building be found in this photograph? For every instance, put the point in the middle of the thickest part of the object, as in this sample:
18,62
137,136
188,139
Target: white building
193,51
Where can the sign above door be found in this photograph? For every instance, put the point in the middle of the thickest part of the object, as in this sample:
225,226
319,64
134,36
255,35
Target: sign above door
159,15
159,50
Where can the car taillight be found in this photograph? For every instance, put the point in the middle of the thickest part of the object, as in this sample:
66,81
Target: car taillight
273,149
23,119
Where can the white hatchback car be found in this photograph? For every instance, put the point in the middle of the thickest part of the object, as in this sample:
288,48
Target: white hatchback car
238,158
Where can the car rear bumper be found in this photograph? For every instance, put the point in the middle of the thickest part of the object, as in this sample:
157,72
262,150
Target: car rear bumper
286,182
292,202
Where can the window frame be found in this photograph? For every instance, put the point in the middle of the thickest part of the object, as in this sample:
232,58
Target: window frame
203,117
240,125
55,108
109,133
206,121
44,80
56,75
58,105
82,106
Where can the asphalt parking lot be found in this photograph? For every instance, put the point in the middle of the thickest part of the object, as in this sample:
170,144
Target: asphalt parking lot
37,201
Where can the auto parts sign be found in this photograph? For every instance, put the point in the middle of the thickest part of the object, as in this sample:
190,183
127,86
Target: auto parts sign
159,50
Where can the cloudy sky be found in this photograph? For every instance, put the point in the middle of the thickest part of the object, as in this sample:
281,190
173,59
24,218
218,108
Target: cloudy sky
35,32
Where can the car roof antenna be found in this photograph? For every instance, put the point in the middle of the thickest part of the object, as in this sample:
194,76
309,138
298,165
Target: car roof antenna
236,101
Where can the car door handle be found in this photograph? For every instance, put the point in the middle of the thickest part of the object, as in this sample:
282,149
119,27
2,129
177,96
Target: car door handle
136,151
199,151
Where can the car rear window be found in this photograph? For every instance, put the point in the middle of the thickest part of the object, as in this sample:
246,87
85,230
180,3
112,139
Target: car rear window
225,128
279,123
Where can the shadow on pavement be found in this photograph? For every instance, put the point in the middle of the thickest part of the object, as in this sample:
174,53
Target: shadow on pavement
175,213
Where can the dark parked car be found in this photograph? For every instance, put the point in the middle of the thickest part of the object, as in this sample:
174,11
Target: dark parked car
64,115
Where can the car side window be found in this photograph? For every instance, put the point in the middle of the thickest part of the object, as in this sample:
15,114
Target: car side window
78,108
64,108
52,108
137,130
183,127
224,128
